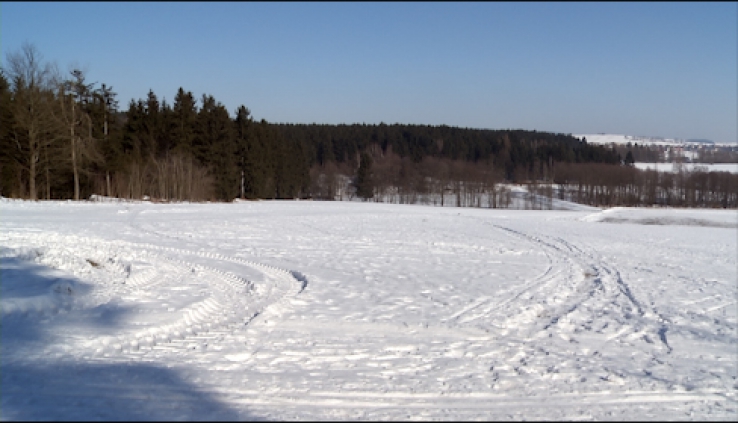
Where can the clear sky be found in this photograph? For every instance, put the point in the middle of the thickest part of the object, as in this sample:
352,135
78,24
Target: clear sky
649,69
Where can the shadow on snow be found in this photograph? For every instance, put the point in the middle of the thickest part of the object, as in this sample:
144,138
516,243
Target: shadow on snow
39,386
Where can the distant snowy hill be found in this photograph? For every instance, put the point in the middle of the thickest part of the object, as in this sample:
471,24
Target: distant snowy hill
709,167
624,139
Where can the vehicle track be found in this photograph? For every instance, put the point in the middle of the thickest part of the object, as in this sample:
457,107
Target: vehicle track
466,368
135,271
578,292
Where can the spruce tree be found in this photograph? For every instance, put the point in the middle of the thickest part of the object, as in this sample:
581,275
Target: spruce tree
249,155
184,121
215,147
363,183
10,157
629,161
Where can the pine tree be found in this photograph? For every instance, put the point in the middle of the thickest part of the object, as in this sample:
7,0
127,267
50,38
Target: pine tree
250,155
184,121
363,182
131,143
215,147
152,126
10,156
629,161
104,110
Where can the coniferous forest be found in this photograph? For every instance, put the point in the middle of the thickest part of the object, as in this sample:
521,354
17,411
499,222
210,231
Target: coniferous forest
62,137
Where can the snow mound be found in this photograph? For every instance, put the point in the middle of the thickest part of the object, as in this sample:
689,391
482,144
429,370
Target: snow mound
103,199
29,287
670,217
22,253
522,199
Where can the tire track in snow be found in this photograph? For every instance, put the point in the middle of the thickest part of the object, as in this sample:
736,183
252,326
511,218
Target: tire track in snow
579,297
214,319
602,266
233,301
288,283
606,287
508,363
281,287
561,267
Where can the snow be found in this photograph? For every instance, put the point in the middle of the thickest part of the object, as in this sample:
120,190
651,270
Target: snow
655,141
349,310
671,167
625,139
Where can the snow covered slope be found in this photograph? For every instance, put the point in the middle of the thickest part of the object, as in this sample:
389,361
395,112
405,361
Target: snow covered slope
670,167
624,139
345,310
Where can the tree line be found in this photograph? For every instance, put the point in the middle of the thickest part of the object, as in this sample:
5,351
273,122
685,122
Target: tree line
707,153
63,137
628,186
442,182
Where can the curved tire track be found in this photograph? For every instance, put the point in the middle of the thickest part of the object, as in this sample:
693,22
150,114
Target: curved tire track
578,292
601,296
232,301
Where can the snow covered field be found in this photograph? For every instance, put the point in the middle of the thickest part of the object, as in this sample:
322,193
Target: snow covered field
624,139
347,310
669,167
633,139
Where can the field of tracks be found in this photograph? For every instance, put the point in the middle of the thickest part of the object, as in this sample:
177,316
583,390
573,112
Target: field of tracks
308,310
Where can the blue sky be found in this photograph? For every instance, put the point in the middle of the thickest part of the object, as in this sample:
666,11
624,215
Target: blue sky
650,69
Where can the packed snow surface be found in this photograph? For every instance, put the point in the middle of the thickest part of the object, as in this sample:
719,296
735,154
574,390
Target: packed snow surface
346,310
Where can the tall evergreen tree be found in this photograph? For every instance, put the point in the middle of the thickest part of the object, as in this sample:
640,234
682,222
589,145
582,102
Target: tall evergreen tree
250,155
9,154
152,126
133,131
364,182
264,143
629,161
104,113
215,147
184,121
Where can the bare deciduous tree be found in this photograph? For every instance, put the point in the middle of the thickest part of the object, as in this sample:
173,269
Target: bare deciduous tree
32,83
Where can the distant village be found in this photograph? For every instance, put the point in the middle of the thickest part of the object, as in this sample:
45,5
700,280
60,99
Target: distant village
666,150
707,153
